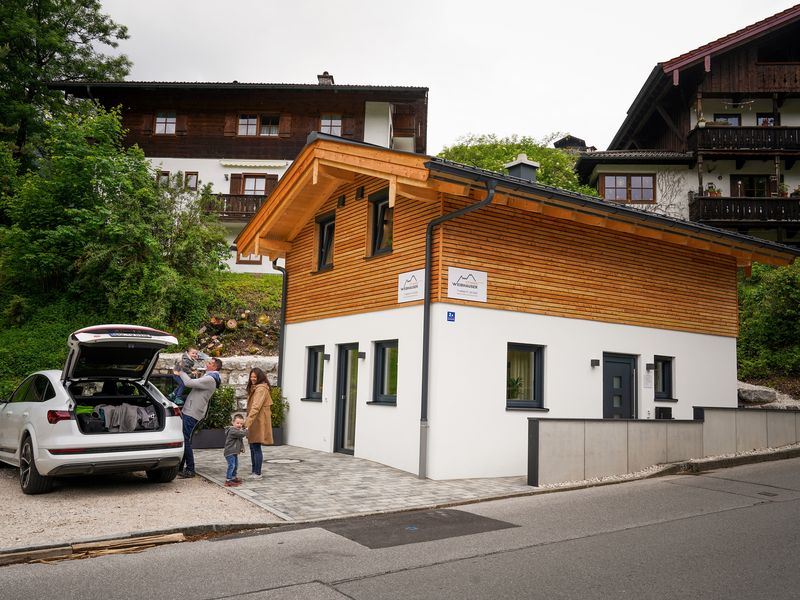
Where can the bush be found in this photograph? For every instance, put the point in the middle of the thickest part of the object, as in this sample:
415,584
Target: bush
220,408
279,407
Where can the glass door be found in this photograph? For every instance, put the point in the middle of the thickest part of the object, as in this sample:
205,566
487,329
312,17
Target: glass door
346,396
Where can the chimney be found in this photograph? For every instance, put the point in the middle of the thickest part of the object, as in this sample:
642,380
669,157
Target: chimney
325,79
522,168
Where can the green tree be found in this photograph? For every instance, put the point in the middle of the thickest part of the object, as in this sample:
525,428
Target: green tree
769,322
43,41
556,168
92,225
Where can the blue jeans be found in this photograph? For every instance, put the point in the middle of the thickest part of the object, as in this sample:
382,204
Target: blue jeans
233,465
189,423
256,457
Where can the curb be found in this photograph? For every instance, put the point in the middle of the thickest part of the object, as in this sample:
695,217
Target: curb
694,466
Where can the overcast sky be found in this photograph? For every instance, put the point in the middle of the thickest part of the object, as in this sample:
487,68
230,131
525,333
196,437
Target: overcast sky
504,67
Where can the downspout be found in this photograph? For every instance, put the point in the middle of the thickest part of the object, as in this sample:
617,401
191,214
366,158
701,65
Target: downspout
284,287
426,320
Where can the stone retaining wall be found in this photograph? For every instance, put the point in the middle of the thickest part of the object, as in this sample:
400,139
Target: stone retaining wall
235,371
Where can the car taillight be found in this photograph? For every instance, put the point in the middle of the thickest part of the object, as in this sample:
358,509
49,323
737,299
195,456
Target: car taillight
176,412
54,416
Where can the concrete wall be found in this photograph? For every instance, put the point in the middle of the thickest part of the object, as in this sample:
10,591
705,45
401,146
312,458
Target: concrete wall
563,450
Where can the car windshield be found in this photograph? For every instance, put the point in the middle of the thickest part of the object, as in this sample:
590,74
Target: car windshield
105,361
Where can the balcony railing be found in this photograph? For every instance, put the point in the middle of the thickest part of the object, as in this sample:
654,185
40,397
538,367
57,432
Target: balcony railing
733,210
235,207
744,138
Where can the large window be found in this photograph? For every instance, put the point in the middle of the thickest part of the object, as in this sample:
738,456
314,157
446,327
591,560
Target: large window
325,229
636,189
254,185
752,186
732,119
524,376
165,123
315,368
662,378
381,219
330,123
255,124
385,372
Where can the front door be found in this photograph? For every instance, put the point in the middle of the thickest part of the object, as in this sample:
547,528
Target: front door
619,376
346,388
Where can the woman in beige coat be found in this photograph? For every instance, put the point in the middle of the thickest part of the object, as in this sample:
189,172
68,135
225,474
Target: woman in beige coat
259,418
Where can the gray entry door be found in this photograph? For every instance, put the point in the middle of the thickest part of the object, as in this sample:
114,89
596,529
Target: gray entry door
346,388
619,397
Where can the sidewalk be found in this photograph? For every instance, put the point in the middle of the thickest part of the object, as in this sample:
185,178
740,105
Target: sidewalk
307,485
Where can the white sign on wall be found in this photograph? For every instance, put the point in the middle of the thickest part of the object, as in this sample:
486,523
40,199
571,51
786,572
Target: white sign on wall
411,286
466,284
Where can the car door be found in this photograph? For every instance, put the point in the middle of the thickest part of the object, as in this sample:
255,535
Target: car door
12,417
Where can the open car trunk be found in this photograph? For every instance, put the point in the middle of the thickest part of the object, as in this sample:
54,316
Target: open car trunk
114,406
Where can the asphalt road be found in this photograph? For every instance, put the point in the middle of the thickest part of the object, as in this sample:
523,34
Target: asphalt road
731,534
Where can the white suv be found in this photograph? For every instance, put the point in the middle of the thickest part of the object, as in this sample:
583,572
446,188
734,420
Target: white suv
99,415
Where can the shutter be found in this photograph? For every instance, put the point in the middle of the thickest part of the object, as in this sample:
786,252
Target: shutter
348,126
231,123
601,188
147,124
285,125
180,124
270,184
237,183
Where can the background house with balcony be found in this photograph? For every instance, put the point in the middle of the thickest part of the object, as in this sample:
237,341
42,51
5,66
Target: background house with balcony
714,135
241,137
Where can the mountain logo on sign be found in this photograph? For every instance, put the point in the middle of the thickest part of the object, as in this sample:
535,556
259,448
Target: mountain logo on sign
410,284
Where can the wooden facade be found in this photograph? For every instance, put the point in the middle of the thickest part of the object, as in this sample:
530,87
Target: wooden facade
542,256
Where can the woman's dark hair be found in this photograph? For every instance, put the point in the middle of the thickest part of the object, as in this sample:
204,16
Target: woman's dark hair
261,377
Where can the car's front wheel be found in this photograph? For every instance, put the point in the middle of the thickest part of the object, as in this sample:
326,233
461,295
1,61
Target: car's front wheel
162,475
30,480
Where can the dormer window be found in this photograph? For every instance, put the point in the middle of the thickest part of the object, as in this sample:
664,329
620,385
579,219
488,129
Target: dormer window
165,123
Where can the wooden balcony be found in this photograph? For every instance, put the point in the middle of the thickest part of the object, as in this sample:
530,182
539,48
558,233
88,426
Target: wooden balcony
718,210
744,138
235,207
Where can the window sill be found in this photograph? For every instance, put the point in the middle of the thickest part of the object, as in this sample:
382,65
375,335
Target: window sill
379,254
374,403
310,399
666,399
527,409
322,270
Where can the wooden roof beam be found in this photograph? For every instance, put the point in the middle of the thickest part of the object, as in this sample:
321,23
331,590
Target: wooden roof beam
416,192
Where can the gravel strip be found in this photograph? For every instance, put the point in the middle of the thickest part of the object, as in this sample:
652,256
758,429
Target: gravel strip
89,508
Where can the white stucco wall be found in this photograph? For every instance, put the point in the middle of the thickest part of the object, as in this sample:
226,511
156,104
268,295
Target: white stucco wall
471,432
673,184
378,123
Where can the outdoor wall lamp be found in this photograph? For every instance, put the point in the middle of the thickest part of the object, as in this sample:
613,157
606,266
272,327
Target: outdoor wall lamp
595,362
227,177
650,366
326,357
362,355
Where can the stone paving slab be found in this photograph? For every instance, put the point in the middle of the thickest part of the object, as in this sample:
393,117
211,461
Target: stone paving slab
307,485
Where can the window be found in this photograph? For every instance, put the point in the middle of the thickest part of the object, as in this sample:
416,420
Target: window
732,119
767,120
325,227
254,185
750,186
330,123
385,372
165,123
662,378
162,177
248,124
524,374
190,180
381,218
639,189
315,368
268,125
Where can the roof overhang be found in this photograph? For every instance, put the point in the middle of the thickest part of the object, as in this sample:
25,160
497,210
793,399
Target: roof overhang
328,162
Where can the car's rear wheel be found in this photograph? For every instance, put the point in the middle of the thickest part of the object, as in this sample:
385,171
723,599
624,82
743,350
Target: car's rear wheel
162,475
30,480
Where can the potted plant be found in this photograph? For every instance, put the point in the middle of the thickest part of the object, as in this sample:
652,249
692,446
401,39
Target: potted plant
783,190
210,432
279,409
712,190
796,192
513,388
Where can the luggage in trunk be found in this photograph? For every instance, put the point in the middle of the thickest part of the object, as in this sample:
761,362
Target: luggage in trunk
114,407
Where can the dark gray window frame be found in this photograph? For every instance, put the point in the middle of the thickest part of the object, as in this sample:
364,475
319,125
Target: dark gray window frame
326,230
379,207
537,402
666,375
315,360
379,374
